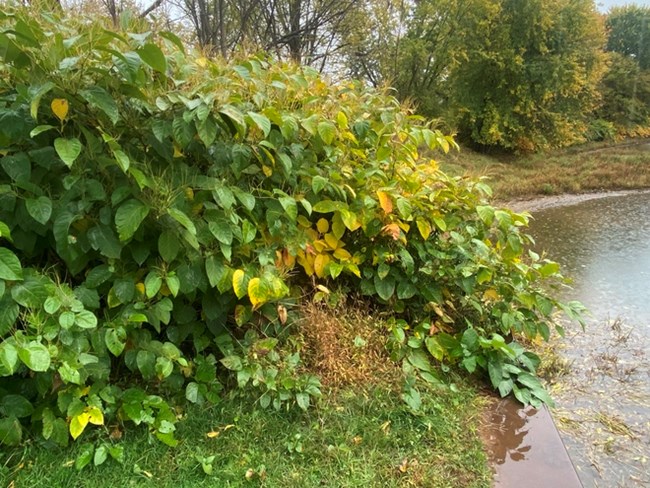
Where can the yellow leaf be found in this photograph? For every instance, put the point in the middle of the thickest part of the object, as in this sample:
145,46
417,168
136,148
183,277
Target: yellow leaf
385,201
213,434
95,416
342,254
322,225
490,294
239,283
425,228
140,288
332,241
320,245
60,108
256,293
78,424
267,170
202,62
177,152
320,263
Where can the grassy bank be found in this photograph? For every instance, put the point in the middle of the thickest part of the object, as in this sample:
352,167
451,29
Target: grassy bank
361,433
354,438
587,168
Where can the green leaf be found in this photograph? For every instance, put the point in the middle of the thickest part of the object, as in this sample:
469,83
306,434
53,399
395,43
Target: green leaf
35,356
302,399
37,95
39,208
115,340
101,454
182,219
146,361
233,363
66,319
419,359
11,432
318,183
261,121
221,230
152,284
86,455
40,129
129,217
8,358
153,56
10,268
289,206
16,405
68,149
99,98
173,283
327,132
385,287
17,166
168,246
86,320
32,291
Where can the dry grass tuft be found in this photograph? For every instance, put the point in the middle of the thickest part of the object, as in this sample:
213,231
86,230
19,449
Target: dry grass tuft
345,346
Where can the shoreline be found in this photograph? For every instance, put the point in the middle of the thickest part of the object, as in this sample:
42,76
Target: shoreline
536,203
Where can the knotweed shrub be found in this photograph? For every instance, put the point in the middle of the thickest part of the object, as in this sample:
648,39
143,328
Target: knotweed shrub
161,214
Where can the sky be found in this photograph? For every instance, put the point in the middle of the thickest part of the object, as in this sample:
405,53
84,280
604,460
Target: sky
605,5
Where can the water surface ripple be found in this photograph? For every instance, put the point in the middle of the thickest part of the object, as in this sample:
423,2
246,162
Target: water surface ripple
604,402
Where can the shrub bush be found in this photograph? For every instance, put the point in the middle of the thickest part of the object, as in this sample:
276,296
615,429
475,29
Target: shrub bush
161,214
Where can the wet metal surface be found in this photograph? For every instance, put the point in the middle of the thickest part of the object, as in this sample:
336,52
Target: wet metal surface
526,450
603,403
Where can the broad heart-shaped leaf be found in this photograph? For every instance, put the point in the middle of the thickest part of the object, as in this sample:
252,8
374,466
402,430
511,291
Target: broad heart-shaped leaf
16,405
168,246
258,292
35,356
39,208
240,283
327,132
385,287
59,108
99,98
261,121
11,432
32,291
129,217
10,268
9,311
153,56
115,340
68,149
78,424
86,320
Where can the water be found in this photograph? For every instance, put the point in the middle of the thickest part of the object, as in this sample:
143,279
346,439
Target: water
603,407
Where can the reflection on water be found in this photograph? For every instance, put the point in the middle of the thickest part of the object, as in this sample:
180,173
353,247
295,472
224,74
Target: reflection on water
525,449
604,403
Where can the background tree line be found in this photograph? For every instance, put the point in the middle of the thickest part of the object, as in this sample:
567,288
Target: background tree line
514,74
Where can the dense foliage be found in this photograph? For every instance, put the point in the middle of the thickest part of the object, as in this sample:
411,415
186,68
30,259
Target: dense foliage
162,215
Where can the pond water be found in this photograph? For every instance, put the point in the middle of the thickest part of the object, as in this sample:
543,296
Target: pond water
603,401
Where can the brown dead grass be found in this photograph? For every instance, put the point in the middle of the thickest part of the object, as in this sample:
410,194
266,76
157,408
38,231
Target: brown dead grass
345,346
583,169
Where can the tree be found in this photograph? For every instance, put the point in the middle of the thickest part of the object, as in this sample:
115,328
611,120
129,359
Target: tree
532,80
629,33
305,31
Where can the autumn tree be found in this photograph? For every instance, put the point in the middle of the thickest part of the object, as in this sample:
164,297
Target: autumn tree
629,33
532,81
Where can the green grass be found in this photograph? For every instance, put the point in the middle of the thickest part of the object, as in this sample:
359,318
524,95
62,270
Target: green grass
579,169
352,439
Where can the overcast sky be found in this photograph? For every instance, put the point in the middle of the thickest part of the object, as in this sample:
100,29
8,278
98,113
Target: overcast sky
605,5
